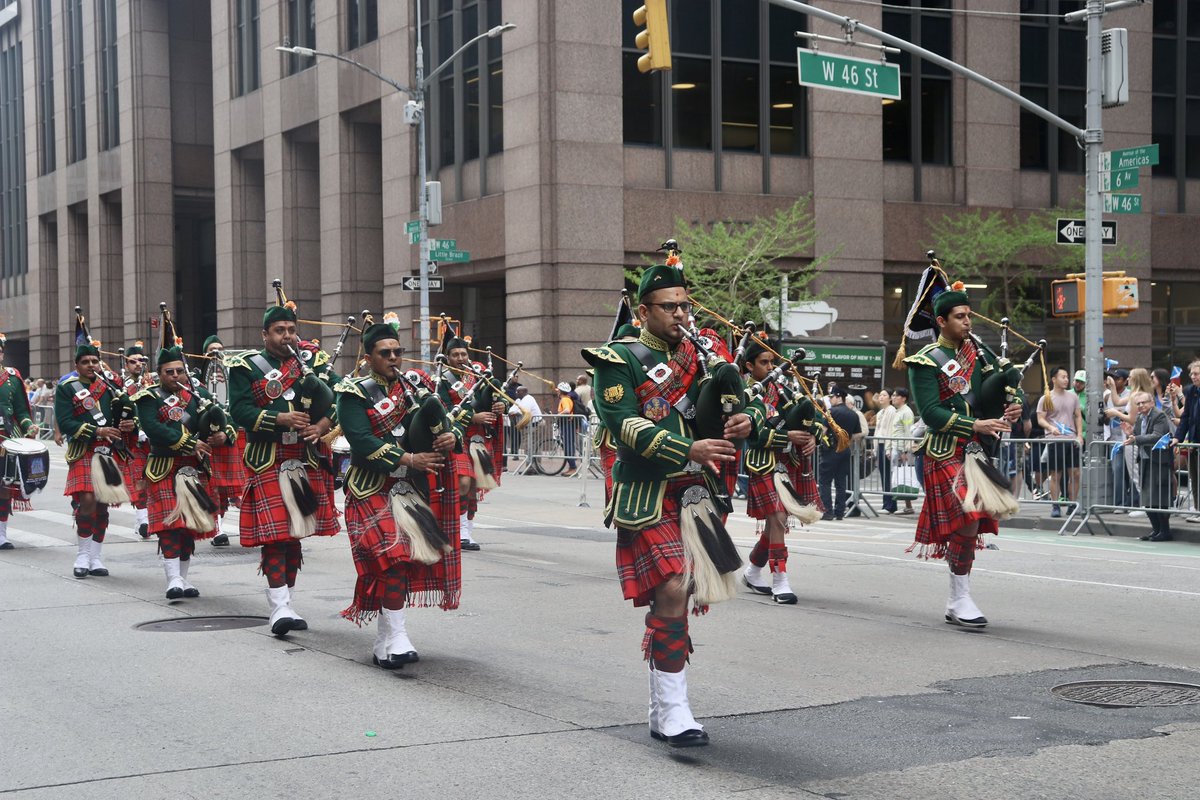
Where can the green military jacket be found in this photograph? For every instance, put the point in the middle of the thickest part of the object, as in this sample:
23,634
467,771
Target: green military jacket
81,408
452,394
946,406
375,420
14,405
256,412
652,436
170,422
763,449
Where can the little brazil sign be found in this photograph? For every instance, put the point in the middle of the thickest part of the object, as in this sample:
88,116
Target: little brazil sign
846,74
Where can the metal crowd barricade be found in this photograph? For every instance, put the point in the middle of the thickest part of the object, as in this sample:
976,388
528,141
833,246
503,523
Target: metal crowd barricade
44,417
548,444
1134,484
884,467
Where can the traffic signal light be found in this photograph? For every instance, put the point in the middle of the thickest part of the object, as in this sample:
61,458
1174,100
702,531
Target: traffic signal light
654,39
1068,298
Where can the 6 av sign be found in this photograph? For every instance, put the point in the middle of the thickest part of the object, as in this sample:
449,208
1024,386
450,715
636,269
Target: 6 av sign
1074,231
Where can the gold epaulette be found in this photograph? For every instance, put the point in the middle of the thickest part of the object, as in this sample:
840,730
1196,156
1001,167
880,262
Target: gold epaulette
350,386
320,359
235,360
146,392
595,354
921,358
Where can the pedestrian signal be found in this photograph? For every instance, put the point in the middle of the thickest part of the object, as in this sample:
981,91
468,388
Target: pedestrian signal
1067,298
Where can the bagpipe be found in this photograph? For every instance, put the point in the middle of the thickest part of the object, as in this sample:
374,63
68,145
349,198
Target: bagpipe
108,481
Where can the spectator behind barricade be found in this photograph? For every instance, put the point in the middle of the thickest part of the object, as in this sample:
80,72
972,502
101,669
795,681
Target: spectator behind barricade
1080,388
525,412
583,389
1116,410
1160,379
885,431
1061,419
1150,434
1035,465
568,425
900,449
1188,430
835,466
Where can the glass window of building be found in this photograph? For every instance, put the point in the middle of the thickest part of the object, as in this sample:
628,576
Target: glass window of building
246,47
76,122
1175,90
362,22
106,73
461,131
13,244
923,114
732,61
1053,75
301,32
43,46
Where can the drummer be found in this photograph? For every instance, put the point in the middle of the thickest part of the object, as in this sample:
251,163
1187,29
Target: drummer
16,420
228,472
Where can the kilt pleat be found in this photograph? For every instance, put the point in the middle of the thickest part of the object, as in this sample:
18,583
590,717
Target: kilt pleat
762,499
653,555
264,518
161,499
942,513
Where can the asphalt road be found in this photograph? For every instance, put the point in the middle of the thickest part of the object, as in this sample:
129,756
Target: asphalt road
535,687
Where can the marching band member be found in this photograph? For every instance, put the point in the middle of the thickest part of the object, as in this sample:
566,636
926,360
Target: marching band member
662,502
181,510
288,495
228,473
136,379
945,378
84,409
16,420
452,391
403,557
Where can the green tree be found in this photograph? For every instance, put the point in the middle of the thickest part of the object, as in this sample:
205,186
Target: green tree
732,266
1013,253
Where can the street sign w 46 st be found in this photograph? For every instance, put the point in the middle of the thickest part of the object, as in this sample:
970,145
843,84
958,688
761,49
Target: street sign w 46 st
847,74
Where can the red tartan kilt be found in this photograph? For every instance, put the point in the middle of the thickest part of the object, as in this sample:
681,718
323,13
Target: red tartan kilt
653,555
445,505
942,513
161,500
804,479
762,500
228,472
463,468
134,469
608,458
377,548
264,518
79,474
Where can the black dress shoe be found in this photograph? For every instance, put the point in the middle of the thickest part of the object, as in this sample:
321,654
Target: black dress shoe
99,573
1147,537
826,517
144,531
785,598
283,626
221,540
470,545
398,660
174,593
191,591
299,624
80,572
7,546
854,512
690,738
660,737
384,664
1161,537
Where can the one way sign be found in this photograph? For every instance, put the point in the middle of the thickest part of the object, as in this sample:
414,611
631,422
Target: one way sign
1074,231
412,283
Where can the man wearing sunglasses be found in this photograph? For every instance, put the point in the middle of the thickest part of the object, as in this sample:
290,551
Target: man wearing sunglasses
646,392
136,379
178,497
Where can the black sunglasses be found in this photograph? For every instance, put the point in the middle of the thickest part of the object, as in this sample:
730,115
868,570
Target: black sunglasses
671,308
388,353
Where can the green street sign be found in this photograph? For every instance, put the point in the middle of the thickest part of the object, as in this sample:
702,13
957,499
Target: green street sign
412,226
1118,179
1122,204
414,237
1130,158
846,74
443,244
862,356
450,256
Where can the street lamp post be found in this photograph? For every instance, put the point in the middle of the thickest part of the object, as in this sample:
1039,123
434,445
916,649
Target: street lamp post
414,114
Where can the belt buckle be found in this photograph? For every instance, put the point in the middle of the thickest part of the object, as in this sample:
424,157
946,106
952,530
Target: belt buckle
291,437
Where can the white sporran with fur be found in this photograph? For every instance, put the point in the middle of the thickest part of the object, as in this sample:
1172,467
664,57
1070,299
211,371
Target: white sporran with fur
707,548
805,513
193,506
299,498
414,520
108,482
481,463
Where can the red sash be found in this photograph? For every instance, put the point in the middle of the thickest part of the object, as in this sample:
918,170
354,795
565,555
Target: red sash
966,358
383,423
684,364
185,397
290,374
96,391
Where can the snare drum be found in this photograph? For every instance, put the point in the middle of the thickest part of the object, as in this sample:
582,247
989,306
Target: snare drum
26,465
341,460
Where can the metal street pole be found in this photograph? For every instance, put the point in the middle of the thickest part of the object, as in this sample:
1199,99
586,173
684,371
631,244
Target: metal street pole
1093,320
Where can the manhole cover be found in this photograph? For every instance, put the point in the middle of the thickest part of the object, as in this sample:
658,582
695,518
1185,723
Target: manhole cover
1129,694
194,624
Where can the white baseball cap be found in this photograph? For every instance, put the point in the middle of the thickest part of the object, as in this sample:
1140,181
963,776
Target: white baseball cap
564,387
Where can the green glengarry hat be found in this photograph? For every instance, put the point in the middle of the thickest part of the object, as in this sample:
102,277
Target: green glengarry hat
660,276
947,300
375,333
86,350
277,313
211,340
138,348
168,354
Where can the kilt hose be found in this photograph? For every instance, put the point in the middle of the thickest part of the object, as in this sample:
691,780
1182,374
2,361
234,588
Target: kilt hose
134,470
264,517
228,479
463,468
654,554
177,543
382,557
803,475
161,500
12,500
942,514
666,644
762,500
